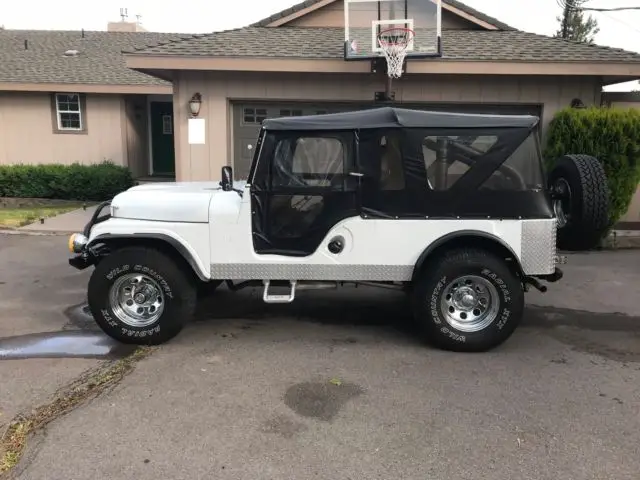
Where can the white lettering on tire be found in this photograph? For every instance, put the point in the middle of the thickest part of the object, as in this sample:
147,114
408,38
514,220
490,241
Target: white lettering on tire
453,335
163,283
434,300
140,333
117,271
108,318
504,318
501,284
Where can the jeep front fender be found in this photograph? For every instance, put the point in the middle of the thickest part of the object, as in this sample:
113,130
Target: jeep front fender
189,240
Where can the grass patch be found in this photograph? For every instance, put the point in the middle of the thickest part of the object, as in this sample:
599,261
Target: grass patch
14,217
90,385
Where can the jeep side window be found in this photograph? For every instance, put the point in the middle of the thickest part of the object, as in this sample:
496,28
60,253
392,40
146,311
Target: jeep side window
521,171
308,161
443,168
391,168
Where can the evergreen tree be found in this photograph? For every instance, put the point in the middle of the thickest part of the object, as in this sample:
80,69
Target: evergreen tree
573,24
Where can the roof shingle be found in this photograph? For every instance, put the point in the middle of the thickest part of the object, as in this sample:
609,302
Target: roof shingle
324,42
100,60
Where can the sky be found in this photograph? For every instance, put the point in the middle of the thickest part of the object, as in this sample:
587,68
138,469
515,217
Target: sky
617,29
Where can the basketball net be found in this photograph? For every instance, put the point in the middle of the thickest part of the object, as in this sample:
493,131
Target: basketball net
394,43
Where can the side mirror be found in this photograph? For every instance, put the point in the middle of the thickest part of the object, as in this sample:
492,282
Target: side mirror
227,179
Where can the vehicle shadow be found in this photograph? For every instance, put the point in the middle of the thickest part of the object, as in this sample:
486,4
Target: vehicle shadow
365,308
386,315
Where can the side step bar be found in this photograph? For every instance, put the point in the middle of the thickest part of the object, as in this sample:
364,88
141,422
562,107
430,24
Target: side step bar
279,298
294,285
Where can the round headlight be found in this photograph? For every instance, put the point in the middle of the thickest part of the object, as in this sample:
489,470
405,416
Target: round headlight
77,242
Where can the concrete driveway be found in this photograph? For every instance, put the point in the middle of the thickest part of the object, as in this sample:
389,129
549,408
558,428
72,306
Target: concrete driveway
336,386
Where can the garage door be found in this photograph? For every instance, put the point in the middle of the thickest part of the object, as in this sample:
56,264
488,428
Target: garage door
248,118
246,126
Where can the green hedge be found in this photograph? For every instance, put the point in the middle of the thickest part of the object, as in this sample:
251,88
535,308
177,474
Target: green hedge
610,134
96,182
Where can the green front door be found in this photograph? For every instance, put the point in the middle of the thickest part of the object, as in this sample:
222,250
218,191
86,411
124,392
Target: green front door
162,147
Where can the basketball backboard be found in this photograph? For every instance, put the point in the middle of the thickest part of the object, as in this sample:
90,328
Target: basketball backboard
365,20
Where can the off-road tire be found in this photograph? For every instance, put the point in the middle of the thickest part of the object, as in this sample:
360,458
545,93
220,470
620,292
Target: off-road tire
440,272
178,288
589,203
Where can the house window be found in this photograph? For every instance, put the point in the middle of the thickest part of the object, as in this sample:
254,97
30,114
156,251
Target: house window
69,112
290,113
253,116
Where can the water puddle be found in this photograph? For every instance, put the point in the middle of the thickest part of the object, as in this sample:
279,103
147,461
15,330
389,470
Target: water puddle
80,317
65,344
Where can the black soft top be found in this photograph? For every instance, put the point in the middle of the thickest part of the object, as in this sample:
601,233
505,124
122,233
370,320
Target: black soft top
392,117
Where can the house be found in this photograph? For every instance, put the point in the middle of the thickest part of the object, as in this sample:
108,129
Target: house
68,96
124,94
293,63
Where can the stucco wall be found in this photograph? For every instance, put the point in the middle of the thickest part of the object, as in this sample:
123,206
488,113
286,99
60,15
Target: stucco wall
218,89
26,131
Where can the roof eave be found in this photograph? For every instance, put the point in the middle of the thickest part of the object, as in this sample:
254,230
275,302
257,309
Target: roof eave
86,88
146,63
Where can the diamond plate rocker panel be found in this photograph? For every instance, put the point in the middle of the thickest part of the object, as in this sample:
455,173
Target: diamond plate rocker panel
299,271
538,247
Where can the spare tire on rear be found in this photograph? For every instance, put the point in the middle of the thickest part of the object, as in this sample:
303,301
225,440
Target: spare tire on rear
581,201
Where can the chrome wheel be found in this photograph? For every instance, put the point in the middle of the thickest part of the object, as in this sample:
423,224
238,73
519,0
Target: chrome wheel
562,205
470,303
137,300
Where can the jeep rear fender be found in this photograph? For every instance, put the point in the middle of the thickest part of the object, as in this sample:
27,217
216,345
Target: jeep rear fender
467,238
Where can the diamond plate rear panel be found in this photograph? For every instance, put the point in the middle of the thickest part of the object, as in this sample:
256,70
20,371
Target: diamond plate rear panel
280,271
538,246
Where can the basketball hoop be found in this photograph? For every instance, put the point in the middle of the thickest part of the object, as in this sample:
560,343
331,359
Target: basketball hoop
394,43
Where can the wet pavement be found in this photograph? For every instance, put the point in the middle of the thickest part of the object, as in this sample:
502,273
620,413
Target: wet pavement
40,297
73,344
337,385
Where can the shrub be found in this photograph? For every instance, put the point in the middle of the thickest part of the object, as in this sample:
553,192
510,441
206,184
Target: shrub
612,135
95,182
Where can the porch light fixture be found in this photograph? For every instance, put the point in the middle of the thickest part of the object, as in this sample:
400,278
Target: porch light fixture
577,103
194,104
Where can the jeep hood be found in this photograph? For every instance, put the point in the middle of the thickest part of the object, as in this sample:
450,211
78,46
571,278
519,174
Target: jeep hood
168,202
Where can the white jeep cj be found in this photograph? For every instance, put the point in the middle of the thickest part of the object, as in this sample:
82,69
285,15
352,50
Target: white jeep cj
453,209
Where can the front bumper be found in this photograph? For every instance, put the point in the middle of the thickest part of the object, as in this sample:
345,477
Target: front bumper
85,256
80,261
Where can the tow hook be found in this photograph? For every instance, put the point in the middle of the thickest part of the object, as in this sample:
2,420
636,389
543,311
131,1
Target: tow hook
534,283
551,278
555,276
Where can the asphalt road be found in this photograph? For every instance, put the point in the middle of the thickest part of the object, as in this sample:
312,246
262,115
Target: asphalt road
36,288
246,392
